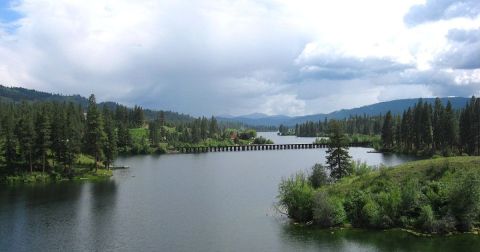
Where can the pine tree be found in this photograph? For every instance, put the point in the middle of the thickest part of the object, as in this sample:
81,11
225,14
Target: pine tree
72,136
427,131
94,135
110,146
438,125
26,137
449,127
387,132
213,127
43,130
338,159
10,142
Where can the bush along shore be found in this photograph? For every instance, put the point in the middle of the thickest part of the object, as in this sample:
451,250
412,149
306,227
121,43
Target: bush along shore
434,196
82,169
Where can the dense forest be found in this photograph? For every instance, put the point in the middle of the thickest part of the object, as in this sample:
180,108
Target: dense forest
365,125
438,129
52,136
424,129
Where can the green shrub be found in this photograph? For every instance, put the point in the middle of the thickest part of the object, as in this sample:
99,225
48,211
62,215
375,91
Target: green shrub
319,176
410,201
296,196
354,204
327,211
445,225
360,168
389,202
436,194
262,140
426,220
465,200
371,213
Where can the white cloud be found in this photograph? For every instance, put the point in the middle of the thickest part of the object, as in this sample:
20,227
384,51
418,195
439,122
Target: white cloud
238,56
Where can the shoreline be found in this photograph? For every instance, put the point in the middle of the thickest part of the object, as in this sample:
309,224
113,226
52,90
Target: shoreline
48,178
412,232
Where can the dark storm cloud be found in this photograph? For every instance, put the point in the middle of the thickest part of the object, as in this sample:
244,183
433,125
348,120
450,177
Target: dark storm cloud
464,51
337,67
434,10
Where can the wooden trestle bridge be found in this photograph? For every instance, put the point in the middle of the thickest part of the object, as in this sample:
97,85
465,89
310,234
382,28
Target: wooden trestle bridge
255,147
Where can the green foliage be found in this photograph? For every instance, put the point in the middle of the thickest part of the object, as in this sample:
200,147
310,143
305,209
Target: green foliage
410,201
247,134
439,195
327,211
94,135
354,204
262,140
465,200
296,196
387,132
318,176
338,159
360,168
426,220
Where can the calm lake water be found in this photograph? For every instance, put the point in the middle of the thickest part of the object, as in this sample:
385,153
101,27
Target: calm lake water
189,202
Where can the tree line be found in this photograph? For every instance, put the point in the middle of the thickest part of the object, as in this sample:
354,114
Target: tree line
427,130
365,125
42,135
48,135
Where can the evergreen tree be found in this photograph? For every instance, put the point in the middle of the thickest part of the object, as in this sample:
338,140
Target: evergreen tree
213,128
43,130
26,137
94,135
72,137
124,138
449,127
110,146
427,131
387,132
438,125
338,159
10,142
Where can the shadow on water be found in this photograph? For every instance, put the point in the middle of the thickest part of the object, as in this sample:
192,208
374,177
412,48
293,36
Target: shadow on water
311,238
26,209
103,205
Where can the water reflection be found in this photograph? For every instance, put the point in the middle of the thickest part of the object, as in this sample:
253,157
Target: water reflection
102,213
193,202
315,239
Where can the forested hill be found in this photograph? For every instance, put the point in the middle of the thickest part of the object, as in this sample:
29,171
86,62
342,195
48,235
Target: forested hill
18,94
395,106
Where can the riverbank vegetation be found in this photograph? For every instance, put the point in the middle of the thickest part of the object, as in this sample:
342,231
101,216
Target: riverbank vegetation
42,141
424,129
439,196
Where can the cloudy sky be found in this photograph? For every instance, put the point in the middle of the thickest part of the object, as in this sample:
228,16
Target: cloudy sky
238,57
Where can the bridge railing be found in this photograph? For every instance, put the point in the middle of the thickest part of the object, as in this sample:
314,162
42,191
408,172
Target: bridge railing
256,147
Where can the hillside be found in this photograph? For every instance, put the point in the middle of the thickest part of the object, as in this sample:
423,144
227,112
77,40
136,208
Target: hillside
18,94
438,196
395,106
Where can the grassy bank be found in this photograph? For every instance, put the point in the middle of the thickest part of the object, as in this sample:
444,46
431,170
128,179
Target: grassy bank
82,170
439,196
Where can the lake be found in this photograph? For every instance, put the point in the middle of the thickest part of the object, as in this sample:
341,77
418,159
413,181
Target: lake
218,201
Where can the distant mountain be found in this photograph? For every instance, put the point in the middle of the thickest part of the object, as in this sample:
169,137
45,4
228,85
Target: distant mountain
395,106
18,94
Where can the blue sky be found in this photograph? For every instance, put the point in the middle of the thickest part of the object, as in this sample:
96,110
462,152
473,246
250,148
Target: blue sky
243,56
6,13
